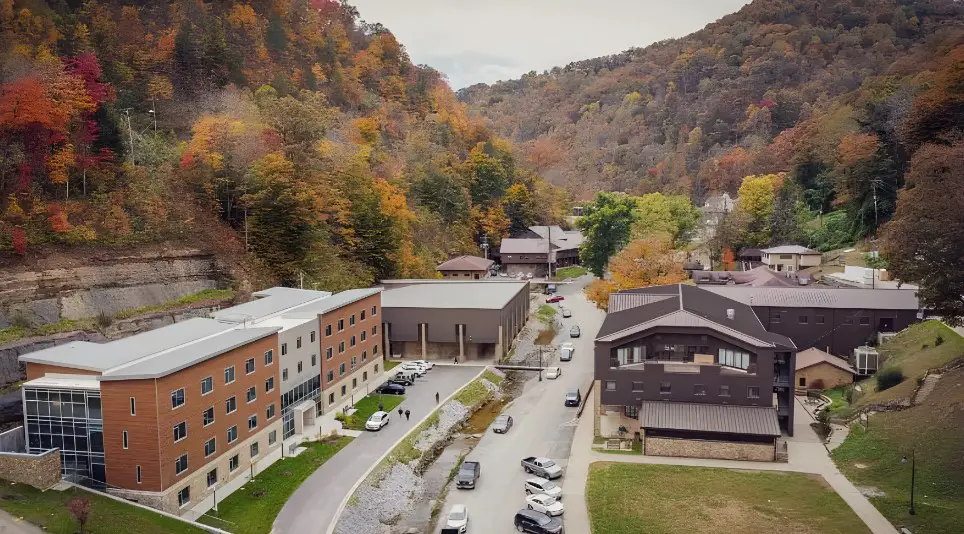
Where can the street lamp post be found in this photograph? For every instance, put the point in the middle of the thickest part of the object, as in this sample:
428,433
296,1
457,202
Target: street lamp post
913,478
540,363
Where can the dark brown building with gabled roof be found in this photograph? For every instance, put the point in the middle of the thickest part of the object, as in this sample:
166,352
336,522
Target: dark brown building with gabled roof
698,372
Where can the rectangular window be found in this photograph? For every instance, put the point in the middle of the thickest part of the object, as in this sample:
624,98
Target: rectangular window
270,411
184,496
298,343
665,387
364,355
138,474
180,465
374,330
272,437
364,376
230,405
819,319
328,353
341,347
753,392
352,341
331,398
342,391
125,439
208,416
284,349
803,381
637,386
341,369
341,324
375,349
327,330
229,375
724,391
363,315
233,463
354,361
331,376
133,407
212,478
177,398
252,394
233,434
775,318
364,335
209,447
312,337
180,431
300,367
865,321
351,320
610,385
249,366
699,389
269,385
849,320
284,374
733,358
269,354
314,360
255,450
374,310
354,383
252,422
803,319
207,385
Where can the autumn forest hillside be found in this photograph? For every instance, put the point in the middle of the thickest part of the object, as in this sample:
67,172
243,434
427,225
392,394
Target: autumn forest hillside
288,131
831,97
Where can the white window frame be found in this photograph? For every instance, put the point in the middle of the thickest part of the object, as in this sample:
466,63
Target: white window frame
209,391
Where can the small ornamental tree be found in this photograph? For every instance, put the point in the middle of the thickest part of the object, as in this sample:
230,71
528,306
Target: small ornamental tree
80,509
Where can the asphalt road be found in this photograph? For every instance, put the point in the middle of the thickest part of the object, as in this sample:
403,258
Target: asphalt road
543,426
313,506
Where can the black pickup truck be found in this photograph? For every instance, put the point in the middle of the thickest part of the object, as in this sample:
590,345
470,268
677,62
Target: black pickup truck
467,475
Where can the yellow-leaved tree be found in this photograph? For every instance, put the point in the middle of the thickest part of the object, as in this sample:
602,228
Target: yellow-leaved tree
644,262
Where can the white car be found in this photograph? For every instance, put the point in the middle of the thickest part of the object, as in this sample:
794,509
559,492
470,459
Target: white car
545,504
544,486
412,367
458,517
424,363
553,373
377,421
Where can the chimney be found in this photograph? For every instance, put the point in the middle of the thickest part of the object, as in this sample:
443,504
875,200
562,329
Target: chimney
730,313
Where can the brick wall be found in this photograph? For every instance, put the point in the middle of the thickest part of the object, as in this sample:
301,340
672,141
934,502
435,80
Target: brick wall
721,450
38,470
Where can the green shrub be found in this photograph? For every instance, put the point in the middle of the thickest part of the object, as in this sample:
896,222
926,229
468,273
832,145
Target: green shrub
888,378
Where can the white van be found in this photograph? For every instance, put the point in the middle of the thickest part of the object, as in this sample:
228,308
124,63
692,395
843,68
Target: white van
566,351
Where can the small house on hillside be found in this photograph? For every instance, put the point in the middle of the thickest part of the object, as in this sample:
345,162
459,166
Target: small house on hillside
466,268
790,258
816,369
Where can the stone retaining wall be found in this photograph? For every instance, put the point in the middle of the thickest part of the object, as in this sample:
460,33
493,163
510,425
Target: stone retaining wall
720,450
41,471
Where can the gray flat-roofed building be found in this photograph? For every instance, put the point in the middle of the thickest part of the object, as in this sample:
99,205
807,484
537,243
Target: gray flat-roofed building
444,319
336,301
269,302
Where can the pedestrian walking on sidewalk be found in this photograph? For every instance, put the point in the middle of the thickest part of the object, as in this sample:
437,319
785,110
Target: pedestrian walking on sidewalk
436,397
400,413
381,406
407,414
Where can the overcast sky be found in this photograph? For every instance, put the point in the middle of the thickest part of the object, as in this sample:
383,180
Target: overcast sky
475,41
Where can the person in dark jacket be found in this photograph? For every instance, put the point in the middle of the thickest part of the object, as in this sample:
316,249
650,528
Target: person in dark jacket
407,414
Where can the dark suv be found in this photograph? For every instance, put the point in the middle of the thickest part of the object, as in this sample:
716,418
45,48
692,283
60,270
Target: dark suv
537,522
389,388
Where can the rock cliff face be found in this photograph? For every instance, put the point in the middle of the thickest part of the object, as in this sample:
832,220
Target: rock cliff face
103,284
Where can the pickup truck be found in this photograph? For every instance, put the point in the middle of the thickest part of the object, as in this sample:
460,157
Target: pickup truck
543,467
468,473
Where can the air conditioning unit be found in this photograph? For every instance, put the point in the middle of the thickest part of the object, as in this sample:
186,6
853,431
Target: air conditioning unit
866,359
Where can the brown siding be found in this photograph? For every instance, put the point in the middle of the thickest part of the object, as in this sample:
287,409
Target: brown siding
830,376
143,448
367,346
38,370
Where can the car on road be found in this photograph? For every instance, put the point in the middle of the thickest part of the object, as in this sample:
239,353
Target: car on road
458,518
573,397
543,467
536,522
553,373
543,503
537,485
574,331
403,378
377,421
424,363
555,298
390,389
551,288
566,312
468,473
566,350
410,367
502,424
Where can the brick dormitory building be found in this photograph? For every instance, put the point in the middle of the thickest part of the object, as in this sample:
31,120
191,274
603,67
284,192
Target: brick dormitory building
168,416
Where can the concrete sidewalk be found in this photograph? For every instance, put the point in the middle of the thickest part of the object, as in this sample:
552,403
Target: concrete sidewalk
806,453
14,525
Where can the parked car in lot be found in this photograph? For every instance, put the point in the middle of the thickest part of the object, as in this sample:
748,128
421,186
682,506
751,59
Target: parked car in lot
468,473
566,312
541,485
553,373
389,388
574,331
424,363
555,298
545,504
566,350
403,378
536,522
502,424
573,397
410,367
458,518
543,467
377,421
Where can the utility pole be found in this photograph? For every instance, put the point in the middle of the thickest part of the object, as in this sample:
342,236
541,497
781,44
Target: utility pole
246,249
130,131
153,113
301,282
485,245
548,255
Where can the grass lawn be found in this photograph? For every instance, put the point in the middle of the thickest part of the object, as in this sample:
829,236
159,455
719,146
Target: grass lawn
638,498
914,350
837,395
367,406
253,508
48,509
872,459
573,271
391,364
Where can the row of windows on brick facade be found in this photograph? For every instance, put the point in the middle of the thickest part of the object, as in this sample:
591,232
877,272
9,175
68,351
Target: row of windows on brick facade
351,321
184,495
354,363
284,346
666,388
329,351
354,384
818,319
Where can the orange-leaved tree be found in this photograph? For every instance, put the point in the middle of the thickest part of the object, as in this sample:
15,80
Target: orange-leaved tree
643,262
